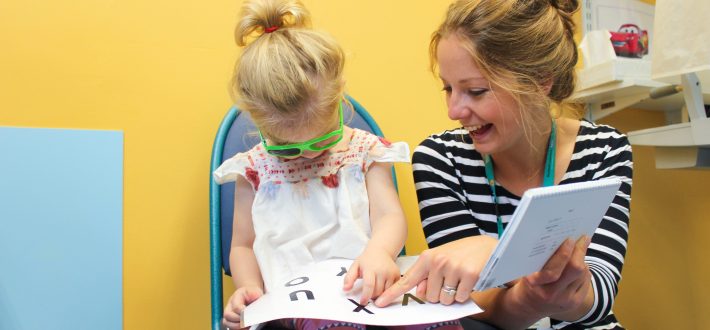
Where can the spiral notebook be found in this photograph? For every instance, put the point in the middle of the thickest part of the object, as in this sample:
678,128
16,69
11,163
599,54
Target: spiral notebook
542,221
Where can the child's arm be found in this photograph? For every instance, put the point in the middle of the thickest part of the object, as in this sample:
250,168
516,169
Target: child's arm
245,270
376,265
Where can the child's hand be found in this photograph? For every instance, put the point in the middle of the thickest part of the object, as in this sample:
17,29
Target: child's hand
378,271
236,304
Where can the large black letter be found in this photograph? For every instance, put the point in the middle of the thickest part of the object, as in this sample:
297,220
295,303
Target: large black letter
303,280
405,301
359,307
343,271
294,295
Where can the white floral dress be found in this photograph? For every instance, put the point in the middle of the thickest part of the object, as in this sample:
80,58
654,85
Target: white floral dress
309,210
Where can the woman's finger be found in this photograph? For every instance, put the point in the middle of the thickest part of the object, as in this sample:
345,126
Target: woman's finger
449,285
388,283
410,279
576,267
555,265
448,291
466,284
435,282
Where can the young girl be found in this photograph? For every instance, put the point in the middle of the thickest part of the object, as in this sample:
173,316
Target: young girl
313,189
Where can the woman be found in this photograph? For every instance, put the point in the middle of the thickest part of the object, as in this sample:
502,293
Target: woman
507,67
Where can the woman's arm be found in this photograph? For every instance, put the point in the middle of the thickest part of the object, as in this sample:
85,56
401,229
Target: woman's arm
580,289
607,251
562,289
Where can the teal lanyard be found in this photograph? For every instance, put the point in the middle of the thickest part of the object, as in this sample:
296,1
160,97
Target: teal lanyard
547,180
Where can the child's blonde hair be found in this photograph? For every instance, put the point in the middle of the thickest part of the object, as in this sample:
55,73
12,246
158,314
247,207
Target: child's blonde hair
288,76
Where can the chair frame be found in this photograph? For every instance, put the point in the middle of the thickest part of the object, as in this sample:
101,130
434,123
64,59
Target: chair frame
215,205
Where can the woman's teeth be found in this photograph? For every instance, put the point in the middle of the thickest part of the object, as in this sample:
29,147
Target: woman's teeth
473,128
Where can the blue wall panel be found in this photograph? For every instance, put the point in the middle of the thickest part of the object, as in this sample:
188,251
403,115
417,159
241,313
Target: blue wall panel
61,229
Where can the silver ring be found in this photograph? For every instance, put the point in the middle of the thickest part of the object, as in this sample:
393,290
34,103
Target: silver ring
449,290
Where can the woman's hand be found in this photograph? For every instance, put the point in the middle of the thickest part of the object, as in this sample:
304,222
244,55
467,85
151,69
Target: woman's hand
236,304
563,288
378,271
446,273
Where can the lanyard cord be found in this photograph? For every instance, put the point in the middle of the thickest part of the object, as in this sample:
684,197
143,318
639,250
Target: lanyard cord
547,180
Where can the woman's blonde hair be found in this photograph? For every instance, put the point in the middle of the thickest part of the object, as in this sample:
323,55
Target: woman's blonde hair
288,76
524,47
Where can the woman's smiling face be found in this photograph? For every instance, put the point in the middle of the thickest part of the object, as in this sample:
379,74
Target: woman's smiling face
490,114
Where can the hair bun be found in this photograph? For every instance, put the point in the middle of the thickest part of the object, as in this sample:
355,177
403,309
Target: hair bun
265,16
566,6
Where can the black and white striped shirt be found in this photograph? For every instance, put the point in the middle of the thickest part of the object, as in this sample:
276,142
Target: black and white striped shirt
455,201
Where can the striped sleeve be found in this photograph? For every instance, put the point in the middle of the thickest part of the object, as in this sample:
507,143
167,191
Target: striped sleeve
442,201
608,157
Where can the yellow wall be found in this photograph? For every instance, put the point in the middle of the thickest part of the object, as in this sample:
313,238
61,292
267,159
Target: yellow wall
158,70
665,276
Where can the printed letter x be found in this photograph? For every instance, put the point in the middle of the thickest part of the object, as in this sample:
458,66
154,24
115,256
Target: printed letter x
359,307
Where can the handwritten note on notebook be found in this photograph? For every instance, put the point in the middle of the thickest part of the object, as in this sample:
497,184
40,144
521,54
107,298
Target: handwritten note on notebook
544,218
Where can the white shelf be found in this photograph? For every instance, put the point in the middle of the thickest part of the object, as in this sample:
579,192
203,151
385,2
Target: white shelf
678,146
696,133
615,85
682,145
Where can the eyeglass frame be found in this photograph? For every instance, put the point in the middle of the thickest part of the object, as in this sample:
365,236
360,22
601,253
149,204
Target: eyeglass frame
306,145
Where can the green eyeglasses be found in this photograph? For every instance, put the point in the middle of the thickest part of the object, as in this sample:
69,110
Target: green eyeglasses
296,149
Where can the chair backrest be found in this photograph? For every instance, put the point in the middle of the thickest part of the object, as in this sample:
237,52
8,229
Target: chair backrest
235,135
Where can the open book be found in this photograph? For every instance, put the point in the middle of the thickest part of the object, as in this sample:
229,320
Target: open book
316,292
542,221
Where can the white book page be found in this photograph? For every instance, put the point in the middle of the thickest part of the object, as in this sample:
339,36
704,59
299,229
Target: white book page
316,292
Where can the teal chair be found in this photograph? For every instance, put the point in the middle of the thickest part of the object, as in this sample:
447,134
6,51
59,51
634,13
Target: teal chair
233,137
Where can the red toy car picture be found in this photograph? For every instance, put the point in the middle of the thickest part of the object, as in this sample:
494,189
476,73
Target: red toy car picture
630,41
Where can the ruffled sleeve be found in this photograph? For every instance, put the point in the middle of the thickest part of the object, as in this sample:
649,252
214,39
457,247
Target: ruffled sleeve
228,171
384,151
